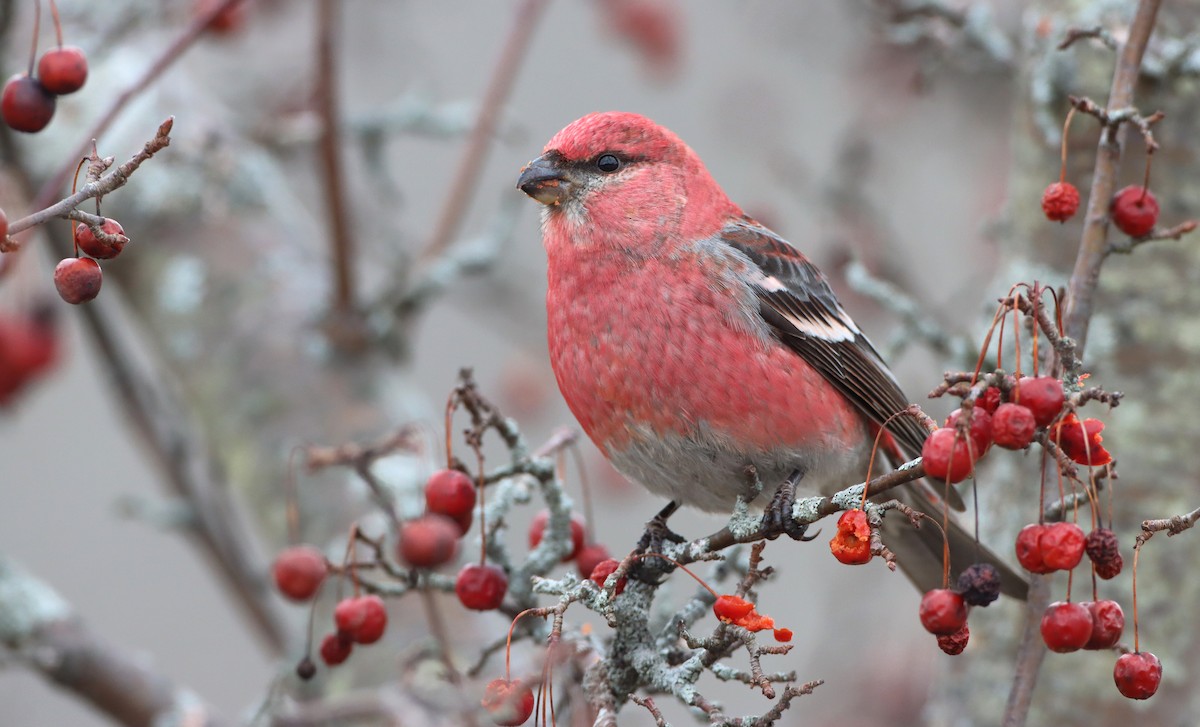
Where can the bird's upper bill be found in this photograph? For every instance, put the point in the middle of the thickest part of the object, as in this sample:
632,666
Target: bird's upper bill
546,179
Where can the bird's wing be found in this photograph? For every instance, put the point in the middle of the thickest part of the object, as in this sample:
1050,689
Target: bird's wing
797,303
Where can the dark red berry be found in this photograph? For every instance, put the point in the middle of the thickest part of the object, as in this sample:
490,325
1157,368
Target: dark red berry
1101,545
451,493
1043,396
953,644
77,279
1108,622
1061,545
979,584
481,587
603,570
508,703
1138,674
429,541
306,669
63,70
943,612
336,648
1029,549
988,400
980,430
26,105
1110,569
1060,201
946,456
1134,211
587,558
537,529
87,241
1013,426
363,619
299,572
1066,626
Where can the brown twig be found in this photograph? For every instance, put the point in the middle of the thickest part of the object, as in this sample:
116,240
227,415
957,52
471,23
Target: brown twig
1172,525
1099,33
1176,232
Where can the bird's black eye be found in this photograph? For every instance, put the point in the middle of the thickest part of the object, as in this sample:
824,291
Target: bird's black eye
608,163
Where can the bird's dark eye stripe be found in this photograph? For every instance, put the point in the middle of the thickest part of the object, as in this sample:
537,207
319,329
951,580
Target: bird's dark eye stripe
608,163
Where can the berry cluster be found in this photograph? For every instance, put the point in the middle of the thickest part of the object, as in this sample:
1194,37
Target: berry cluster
29,100
78,279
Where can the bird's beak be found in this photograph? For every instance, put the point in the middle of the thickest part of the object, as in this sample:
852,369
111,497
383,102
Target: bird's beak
545,180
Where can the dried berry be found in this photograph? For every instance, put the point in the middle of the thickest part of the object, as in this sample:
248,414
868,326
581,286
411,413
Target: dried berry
979,584
1066,626
1110,569
1060,201
1137,675
1134,211
851,543
953,644
943,611
1101,546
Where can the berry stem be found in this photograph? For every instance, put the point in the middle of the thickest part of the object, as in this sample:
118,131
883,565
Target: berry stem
1062,172
1035,297
479,490
452,403
874,449
1070,582
37,25
508,642
1146,177
1137,548
349,560
74,187
57,24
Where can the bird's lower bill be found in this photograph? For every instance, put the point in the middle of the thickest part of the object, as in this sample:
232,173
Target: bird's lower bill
548,191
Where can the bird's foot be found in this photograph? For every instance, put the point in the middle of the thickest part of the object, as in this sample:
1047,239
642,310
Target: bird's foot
650,569
777,518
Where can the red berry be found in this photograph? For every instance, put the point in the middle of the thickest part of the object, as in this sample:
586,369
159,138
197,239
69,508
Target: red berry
988,400
943,612
1066,626
1043,396
481,587
851,543
429,541
1108,622
451,493
1029,549
508,703
77,279
63,70
363,619
980,430
28,348
26,105
87,241
953,644
947,456
537,528
1061,545
1138,674
1013,426
1134,211
603,570
731,609
336,648
1060,201
588,557
299,572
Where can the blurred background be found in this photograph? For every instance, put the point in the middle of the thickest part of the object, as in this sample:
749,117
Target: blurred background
893,141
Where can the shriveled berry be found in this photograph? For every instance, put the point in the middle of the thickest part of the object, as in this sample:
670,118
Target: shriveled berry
1066,626
1137,675
63,70
588,557
979,431
1029,549
1134,211
1043,396
1061,545
1108,622
26,105
946,456
1111,568
363,619
77,279
429,541
89,243
451,493
508,703
481,587
336,648
979,584
603,570
851,543
1060,201
953,644
299,572
943,611
537,529
1101,545
1013,426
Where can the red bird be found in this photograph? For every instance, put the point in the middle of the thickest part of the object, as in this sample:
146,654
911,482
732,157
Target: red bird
692,342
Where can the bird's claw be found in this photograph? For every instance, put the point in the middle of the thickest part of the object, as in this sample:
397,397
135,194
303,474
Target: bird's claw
777,517
650,569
